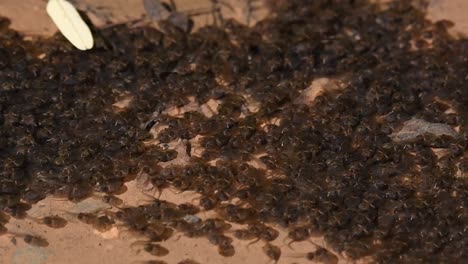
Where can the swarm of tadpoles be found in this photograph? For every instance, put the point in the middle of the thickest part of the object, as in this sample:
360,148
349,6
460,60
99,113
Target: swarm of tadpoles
330,168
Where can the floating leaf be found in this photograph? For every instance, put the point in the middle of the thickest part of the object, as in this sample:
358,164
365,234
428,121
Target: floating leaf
155,10
70,24
416,127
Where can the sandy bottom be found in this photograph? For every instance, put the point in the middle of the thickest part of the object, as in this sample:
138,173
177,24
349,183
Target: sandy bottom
79,243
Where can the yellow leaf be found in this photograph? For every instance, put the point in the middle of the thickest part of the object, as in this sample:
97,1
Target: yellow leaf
70,24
